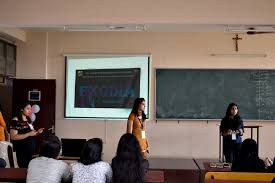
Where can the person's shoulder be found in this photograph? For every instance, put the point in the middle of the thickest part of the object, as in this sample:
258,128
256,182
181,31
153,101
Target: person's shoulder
35,162
104,166
61,162
114,162
64,165
15,118
114,159
239,119
76,165
103,163
224,118
131,117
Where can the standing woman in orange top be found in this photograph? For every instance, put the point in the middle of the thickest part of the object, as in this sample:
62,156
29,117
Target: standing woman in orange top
3,127
137,125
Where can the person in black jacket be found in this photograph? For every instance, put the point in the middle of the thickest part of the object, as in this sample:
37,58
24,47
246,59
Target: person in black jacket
231,129
248,159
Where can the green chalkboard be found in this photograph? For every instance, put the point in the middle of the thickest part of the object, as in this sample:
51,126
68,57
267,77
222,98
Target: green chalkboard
206,93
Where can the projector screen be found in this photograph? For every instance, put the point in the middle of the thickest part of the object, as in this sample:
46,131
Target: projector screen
105,86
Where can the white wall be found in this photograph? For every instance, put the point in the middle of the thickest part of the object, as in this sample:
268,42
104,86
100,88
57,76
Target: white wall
41,57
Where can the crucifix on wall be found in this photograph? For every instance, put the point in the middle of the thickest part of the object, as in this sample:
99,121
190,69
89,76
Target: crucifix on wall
236,39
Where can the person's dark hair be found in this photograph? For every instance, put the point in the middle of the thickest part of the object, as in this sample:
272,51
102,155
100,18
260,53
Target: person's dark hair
128,164
228,110
92,151
1,109
51,147
19,111
135,108
249,149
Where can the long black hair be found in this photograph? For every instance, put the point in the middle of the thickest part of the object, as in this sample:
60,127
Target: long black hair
128,164
249,149
92,151
20,109
135,108
228,111
1,109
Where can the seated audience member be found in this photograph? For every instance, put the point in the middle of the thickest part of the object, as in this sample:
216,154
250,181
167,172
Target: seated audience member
128,164
46,168
90,168
248,159
2,163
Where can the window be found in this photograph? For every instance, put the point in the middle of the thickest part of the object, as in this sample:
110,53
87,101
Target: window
7,60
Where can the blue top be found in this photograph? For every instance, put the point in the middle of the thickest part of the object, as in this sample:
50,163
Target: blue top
232,124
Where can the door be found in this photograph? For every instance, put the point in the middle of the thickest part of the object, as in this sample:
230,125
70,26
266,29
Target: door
39,92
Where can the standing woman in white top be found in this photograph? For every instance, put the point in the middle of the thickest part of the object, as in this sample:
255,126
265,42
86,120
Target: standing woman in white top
90,168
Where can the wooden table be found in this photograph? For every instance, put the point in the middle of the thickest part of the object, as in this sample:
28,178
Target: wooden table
13,174
153,176
210,169
176,170
204,166
19,175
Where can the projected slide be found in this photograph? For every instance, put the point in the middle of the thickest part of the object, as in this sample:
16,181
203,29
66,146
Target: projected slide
106,88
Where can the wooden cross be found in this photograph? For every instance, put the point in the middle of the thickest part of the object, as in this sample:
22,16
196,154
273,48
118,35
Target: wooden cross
236,39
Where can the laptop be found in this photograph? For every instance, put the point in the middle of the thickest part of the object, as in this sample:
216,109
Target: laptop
72,147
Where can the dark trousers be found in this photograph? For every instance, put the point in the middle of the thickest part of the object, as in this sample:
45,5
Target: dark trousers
231,150
25,150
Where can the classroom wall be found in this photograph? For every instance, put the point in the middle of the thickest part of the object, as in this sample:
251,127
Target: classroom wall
42,57
70,12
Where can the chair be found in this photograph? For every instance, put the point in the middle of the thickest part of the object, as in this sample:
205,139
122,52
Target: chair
6,152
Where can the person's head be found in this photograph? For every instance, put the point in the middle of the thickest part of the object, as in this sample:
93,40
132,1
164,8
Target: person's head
249,149
232,110
139,106
128,163
50,147
25,109
92,151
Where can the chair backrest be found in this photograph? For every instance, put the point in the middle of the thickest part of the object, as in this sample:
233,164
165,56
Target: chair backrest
6,152
238,177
